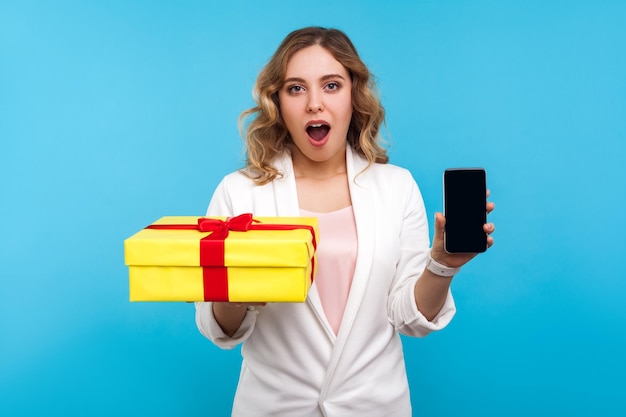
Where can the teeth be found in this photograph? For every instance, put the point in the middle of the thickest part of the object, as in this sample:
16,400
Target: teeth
316,125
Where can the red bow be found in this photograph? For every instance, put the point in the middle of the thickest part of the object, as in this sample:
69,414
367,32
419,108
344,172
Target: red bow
220,228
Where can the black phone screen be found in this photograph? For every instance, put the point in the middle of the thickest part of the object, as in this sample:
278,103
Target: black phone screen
465,199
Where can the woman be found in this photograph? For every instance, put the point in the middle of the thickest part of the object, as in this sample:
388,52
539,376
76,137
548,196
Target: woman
313,149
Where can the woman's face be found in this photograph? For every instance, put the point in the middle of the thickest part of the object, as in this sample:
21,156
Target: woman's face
316,105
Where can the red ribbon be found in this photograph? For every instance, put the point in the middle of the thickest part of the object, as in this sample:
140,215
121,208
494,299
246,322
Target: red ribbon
214,273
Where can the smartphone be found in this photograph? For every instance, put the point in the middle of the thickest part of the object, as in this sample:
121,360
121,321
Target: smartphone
465,208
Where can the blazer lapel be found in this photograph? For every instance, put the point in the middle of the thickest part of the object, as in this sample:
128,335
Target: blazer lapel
364,219
286,200
285,192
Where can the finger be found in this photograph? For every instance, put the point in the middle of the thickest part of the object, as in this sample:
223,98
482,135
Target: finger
489,241
490,207
437,250
440,224
489,228
248,304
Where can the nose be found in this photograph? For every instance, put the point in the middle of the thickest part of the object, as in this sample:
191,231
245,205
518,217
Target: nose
314,104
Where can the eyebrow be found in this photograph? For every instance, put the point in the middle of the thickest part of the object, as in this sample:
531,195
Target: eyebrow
322,78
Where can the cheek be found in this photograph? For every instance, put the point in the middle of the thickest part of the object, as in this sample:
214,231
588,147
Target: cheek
347,113
286,114
347,105
288,108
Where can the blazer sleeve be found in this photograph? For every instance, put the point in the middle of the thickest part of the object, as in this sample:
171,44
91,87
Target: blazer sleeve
221,205
414,245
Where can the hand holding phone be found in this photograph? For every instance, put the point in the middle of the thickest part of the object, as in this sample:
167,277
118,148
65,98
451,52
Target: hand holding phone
465,200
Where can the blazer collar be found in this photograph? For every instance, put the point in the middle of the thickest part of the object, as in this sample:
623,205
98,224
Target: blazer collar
362,204
286,199
285,191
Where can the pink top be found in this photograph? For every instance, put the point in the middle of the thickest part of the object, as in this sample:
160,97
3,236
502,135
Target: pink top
336,258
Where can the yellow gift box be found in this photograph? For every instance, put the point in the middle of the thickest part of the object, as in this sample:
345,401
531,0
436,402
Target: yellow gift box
240,259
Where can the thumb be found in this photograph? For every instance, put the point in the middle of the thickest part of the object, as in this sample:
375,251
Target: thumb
437,245
440,226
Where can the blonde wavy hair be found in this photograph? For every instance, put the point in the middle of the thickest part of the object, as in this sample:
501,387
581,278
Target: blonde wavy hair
266,135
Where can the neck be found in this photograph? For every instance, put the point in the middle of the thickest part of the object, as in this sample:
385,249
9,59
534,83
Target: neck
318,170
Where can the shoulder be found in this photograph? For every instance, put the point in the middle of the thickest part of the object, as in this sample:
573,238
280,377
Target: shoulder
376,172
391,184
388,174
391,170
232,188
237,179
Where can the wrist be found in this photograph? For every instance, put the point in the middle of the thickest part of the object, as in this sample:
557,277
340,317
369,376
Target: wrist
440,269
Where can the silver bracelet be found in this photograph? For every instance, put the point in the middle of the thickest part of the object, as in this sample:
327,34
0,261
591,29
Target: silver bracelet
439,269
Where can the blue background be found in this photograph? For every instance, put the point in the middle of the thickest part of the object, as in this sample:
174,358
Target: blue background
115,113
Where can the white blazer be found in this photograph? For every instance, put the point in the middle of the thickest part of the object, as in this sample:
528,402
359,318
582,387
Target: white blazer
293,364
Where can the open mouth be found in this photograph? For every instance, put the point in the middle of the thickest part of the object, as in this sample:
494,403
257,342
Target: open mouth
317,131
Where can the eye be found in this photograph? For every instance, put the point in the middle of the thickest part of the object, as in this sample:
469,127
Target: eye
332,86
295,89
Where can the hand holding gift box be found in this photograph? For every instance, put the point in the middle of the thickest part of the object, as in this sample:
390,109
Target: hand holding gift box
240,259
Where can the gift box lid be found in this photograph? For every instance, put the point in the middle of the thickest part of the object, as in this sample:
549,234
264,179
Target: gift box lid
162,246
